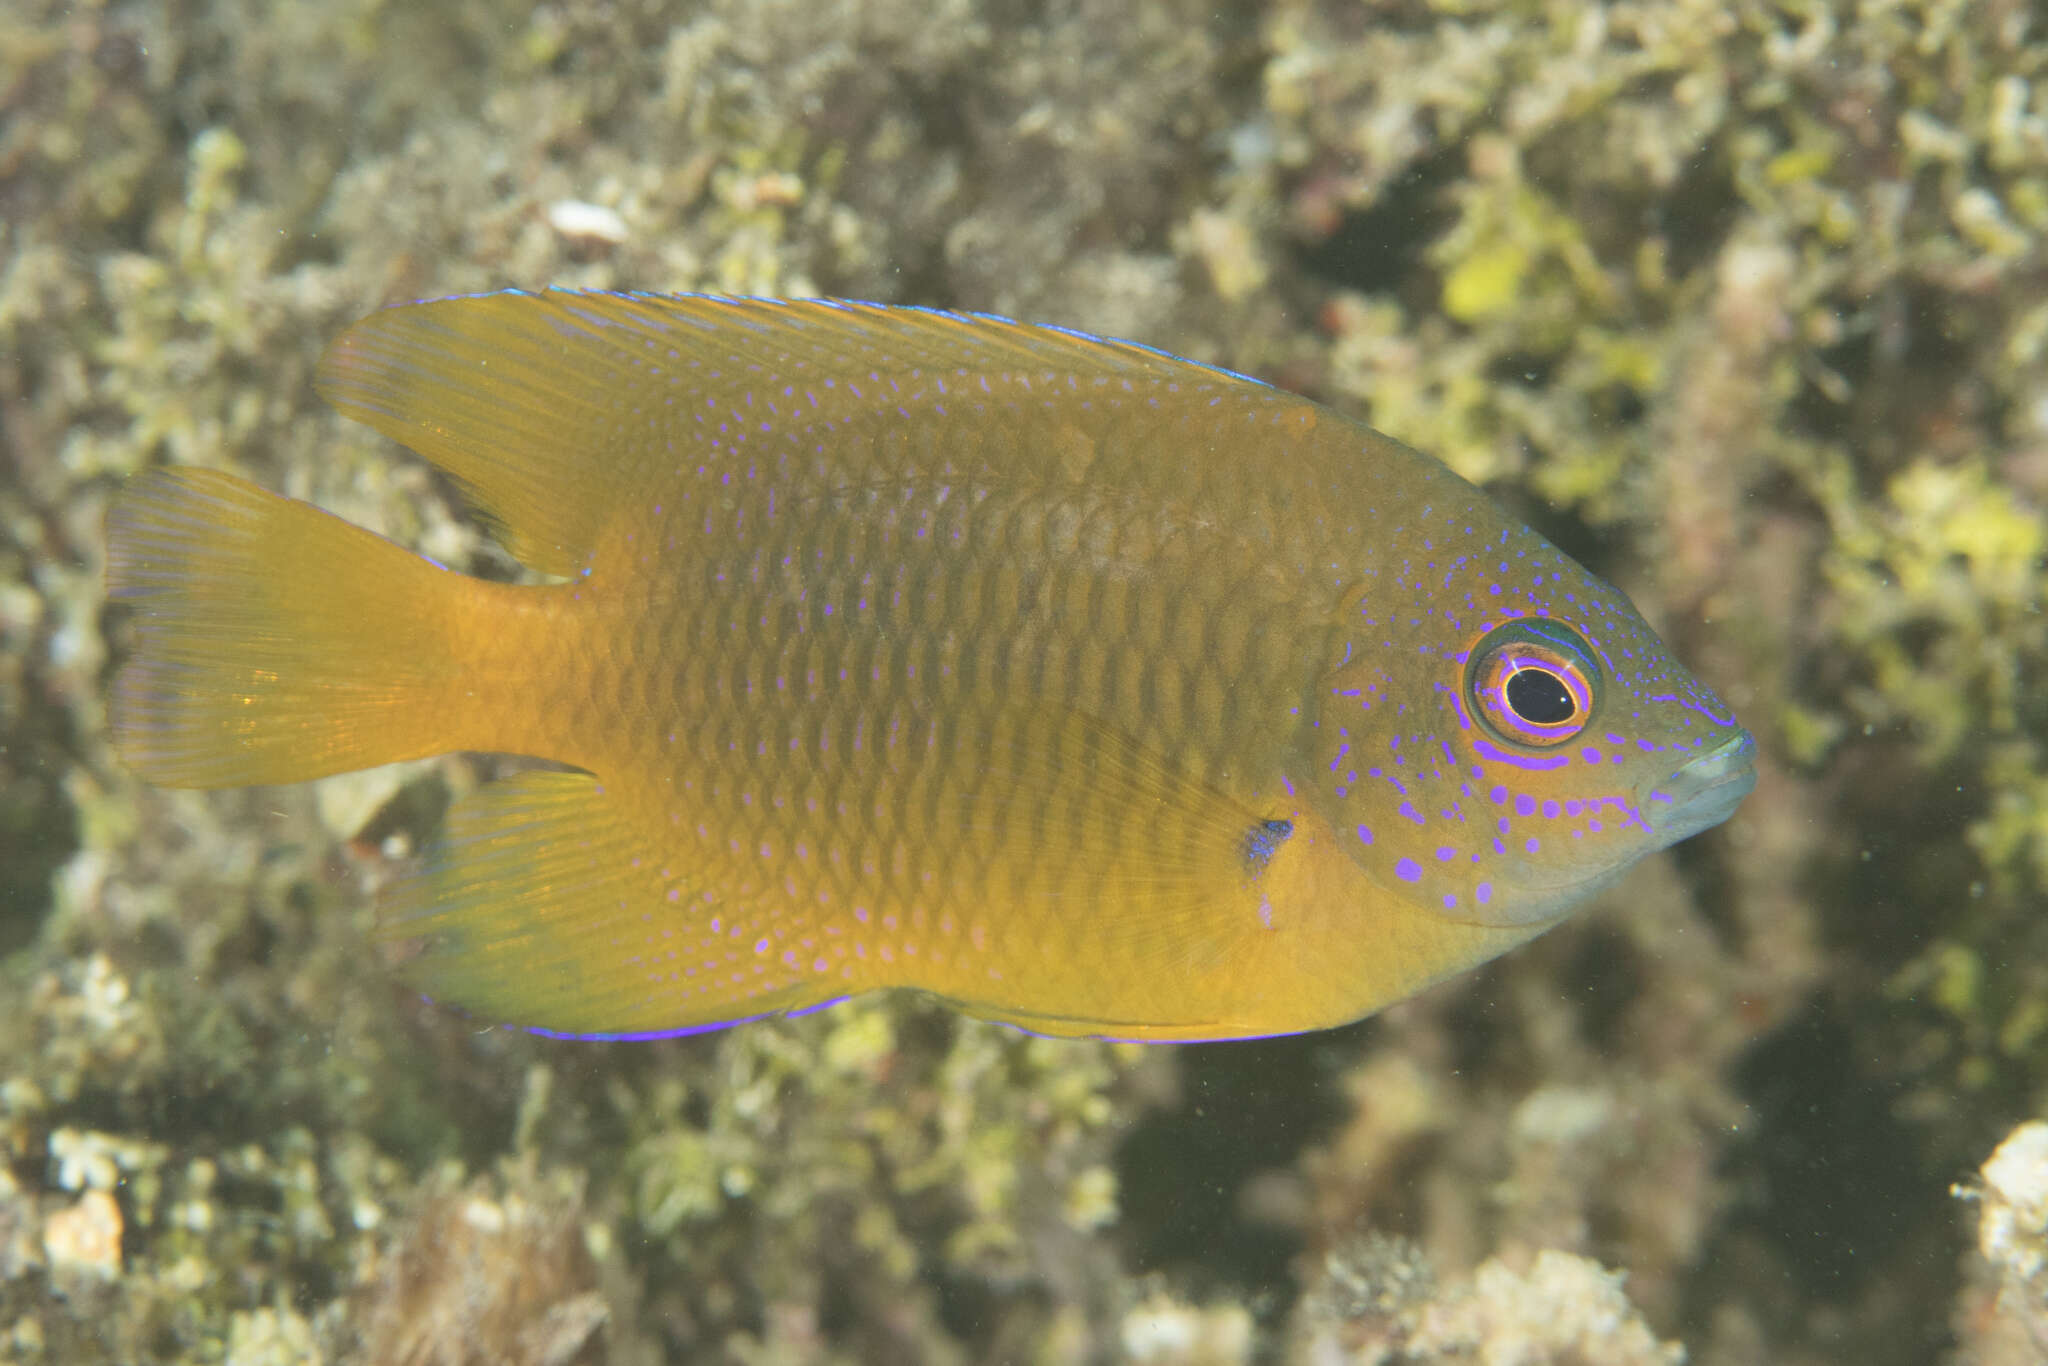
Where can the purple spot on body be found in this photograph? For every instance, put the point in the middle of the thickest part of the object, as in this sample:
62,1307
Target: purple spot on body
1573,808
1550,809
1446,853
1408,870
1497,795
1483,893
1592,754
1364,835
1408,809
1532,844
1525,806
1450,901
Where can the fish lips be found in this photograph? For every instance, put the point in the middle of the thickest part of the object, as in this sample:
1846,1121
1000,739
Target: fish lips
1699,794
1704,791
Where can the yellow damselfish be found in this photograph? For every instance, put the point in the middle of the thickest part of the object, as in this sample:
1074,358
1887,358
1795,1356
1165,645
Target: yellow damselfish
1085,687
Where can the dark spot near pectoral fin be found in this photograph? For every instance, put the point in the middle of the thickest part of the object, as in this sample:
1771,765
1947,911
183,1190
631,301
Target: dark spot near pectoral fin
1261,840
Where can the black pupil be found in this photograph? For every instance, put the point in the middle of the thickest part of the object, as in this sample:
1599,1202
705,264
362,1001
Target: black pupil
1540,697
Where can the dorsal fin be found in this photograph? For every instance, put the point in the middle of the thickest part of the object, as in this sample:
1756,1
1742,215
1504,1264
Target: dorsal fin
550,409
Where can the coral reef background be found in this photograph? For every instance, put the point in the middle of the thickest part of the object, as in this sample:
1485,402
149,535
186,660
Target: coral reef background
1746,304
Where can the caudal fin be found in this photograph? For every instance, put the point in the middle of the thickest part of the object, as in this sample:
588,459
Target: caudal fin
273,642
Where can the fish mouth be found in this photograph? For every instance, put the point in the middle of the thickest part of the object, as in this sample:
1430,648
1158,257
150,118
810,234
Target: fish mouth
1705,791
1698,795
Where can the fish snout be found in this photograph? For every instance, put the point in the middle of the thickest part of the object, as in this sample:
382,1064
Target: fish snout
1703,791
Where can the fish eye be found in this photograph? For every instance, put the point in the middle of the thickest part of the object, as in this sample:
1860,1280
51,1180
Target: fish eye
1532,683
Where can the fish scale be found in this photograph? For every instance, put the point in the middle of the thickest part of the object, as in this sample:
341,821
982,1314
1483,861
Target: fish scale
755,807
1088,688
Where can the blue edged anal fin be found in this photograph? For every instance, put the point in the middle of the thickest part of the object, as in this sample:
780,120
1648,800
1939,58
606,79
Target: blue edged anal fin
538,906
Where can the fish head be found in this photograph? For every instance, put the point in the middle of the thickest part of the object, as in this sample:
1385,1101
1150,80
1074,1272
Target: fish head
1503,734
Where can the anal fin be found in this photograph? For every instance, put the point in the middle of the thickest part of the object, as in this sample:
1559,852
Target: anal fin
541,906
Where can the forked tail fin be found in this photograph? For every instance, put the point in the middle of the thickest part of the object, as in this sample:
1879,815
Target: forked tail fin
273,642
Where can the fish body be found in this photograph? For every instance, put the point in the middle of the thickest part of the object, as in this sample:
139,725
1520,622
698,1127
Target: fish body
1085,687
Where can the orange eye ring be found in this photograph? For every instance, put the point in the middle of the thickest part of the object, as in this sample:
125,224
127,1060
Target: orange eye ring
1533,683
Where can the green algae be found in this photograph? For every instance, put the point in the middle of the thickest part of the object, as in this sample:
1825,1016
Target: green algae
1743,301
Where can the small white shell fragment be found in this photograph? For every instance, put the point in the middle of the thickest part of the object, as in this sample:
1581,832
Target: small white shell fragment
587,222
85,1239
2012,1231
